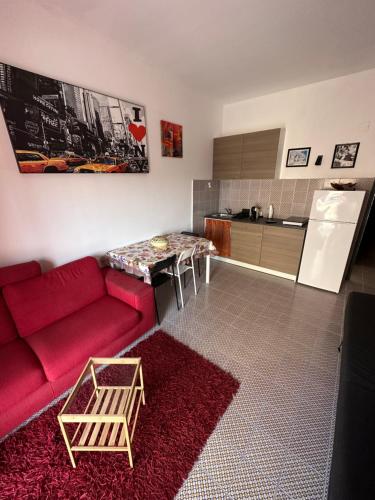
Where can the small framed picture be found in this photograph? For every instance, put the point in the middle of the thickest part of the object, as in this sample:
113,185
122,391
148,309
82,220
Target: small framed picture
345,155
298,157
171,139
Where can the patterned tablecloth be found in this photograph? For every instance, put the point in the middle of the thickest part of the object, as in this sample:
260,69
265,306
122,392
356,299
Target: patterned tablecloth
139,258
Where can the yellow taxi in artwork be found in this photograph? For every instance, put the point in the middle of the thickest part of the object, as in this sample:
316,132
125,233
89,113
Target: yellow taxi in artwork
104,164
33,162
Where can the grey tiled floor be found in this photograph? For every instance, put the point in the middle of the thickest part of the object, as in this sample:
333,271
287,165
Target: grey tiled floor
280,340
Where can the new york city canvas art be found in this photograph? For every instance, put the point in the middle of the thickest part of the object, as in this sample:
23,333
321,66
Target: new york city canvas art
56,127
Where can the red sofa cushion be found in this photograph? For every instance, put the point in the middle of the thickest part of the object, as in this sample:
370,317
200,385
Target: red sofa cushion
72,340
12,274
20,373
39,302
134,292
19,272
8,329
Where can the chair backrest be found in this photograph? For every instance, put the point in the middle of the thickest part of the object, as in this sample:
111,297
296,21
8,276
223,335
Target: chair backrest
188,233
163,264
186,254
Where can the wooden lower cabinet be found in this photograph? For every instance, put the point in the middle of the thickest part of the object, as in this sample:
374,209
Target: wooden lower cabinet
218,231
246,242
282,249
276,248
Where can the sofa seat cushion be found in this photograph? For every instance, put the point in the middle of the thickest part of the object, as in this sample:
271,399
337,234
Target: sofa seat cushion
20,373
72,340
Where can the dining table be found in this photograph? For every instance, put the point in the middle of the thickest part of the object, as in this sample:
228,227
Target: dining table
139,258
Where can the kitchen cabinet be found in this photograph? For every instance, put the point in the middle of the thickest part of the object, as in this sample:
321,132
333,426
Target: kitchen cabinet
282,249
227,157
246,156
259,154
246,242
258,244
218,231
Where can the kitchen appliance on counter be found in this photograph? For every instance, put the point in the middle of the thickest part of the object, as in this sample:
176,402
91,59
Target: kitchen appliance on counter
254,213
333,220
244,214
270,212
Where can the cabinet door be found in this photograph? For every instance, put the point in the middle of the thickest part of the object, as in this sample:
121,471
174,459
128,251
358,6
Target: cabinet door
259,154
227,157
246,242
218,231
282,249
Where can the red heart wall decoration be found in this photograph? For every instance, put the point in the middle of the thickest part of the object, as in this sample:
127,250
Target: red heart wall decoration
137,132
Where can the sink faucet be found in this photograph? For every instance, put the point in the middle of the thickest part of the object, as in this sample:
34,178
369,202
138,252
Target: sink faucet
228,211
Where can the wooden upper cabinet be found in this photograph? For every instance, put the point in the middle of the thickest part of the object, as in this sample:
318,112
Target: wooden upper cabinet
246,242
282,249
227,157
246,156
259,154
218,231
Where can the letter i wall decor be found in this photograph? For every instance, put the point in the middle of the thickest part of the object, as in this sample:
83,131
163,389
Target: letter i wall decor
56,127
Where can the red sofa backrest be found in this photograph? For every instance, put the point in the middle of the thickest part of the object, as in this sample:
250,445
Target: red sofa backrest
13,274
41,301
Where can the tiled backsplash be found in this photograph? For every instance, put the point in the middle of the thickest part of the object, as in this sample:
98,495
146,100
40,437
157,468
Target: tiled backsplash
288,196
206,196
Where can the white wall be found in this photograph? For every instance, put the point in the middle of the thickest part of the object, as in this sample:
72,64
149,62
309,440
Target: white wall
57,218
318,115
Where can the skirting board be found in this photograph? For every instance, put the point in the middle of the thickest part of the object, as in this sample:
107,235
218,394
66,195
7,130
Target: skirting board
291,277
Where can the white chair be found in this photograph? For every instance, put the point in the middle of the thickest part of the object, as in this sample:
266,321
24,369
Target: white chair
182,267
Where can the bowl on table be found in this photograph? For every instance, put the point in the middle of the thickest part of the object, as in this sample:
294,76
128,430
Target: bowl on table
159,242
344,186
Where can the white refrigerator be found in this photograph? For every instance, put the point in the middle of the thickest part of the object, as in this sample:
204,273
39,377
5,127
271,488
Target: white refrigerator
329,237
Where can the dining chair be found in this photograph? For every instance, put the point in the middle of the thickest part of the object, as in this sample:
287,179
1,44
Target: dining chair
182,267
189,233
159,277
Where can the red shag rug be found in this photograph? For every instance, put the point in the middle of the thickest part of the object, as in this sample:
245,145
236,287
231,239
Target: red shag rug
185,396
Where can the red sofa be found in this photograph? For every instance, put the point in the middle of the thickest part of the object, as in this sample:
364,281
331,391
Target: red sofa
51,323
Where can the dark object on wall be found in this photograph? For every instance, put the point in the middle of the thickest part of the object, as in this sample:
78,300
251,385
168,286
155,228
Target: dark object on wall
171,139
354,445
57,127
345,155
298,157
319,160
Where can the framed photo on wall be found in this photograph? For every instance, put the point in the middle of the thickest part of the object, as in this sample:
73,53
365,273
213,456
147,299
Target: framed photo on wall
298,157
171,139
345,155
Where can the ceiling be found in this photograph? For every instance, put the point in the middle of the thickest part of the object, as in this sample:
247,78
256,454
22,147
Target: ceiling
234,49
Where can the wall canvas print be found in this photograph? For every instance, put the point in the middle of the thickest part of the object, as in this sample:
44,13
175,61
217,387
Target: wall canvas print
56,127
345,155
298,157
171,139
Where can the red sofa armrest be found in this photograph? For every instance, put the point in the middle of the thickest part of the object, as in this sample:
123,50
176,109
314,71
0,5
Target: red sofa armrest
135,293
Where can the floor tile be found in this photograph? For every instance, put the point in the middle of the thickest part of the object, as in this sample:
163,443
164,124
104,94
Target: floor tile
280,340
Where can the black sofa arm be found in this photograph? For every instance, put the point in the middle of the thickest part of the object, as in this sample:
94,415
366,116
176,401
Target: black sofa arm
353,462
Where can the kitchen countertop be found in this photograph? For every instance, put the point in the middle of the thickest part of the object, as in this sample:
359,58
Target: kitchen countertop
261,221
